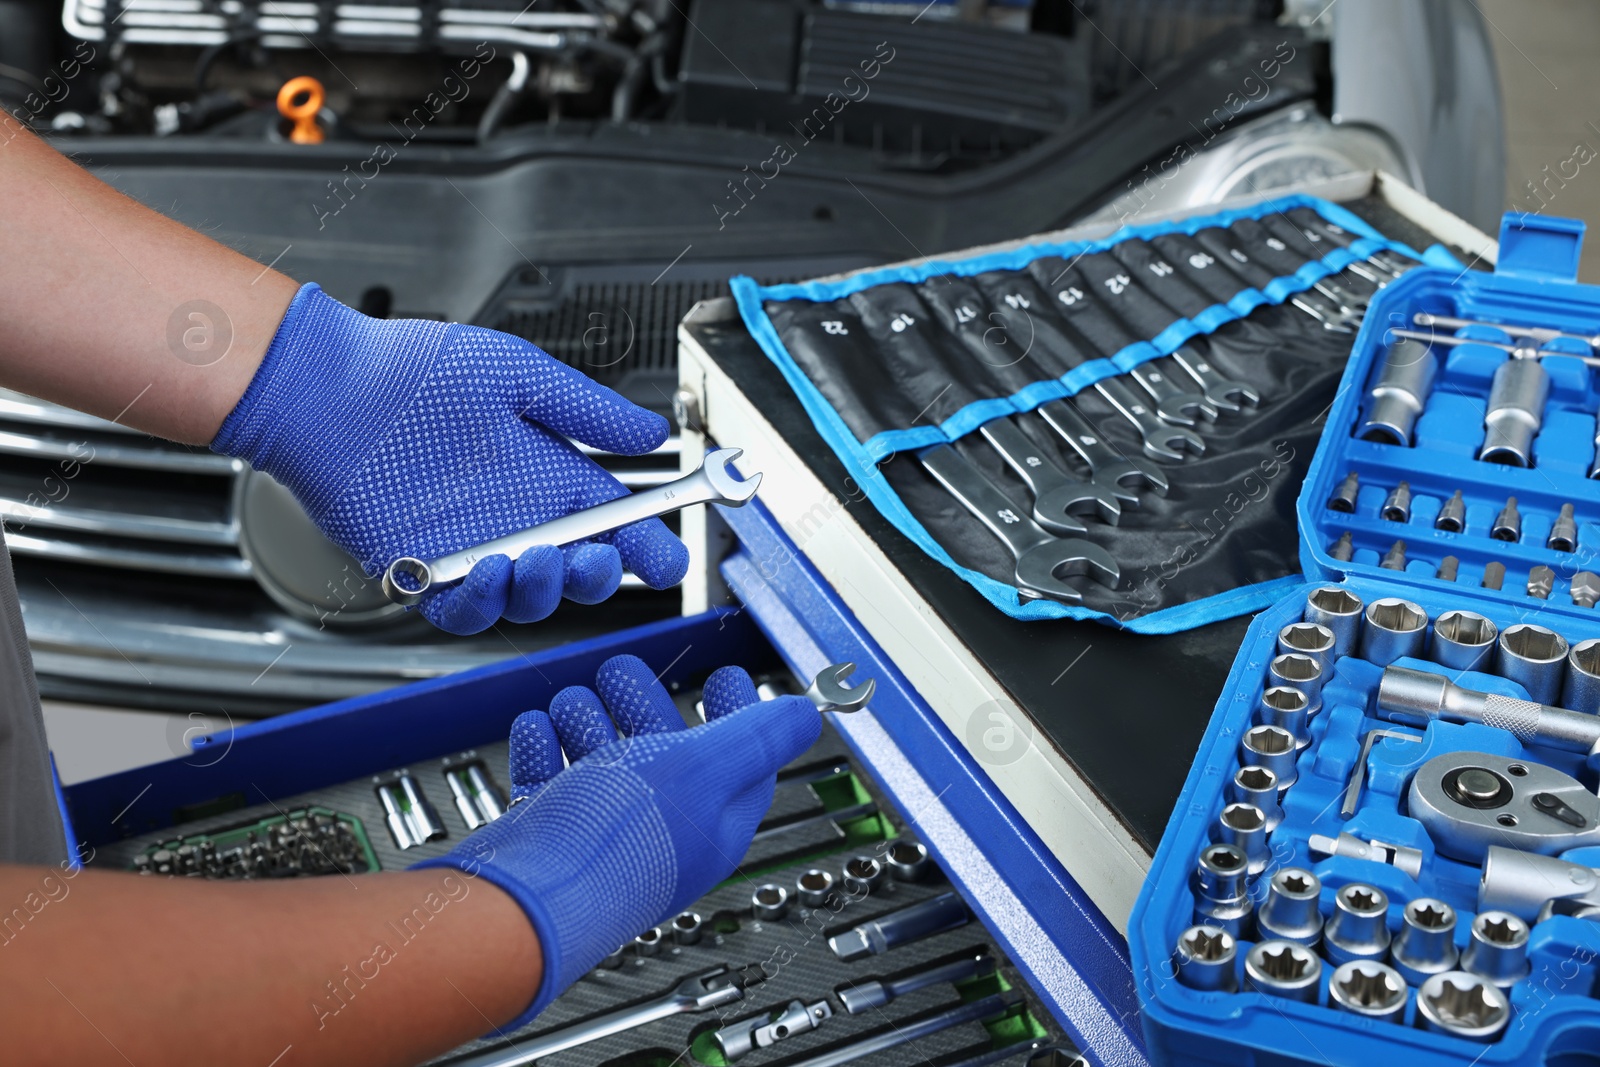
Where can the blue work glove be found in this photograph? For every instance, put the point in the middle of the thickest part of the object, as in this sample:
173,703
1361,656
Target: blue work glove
647,818
413,438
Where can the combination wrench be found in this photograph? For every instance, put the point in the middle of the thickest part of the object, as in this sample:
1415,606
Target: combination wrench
1110,468
697,993
829,693
713,482
1057,495
1042,559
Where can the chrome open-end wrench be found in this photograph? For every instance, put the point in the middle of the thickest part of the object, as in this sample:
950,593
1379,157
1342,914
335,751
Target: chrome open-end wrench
1042,559
699,992
1219,390
1057,495
829,693
1162,440
1173,402
408,579
1112,469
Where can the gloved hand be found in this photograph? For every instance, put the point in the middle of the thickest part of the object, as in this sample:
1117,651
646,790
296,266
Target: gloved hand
647,818
413,438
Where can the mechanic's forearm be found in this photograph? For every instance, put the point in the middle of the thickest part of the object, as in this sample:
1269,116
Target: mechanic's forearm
91,287
391,968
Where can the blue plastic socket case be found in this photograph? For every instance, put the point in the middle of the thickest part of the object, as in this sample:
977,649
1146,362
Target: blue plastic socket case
1556,1009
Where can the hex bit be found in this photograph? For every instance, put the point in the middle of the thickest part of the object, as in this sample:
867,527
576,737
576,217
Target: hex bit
1452,517
1448,568
1563,532
1541,580
1344,497
1494,574
1395,558
1397,505
1342,549
1508,524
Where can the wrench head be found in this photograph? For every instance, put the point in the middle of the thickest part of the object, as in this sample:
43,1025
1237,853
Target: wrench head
1041,570
1055,508
1185,409
708,989
718,468
1165,443
1126,476
1230,396
829,693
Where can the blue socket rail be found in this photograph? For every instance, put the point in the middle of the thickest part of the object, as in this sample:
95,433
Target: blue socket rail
1388,847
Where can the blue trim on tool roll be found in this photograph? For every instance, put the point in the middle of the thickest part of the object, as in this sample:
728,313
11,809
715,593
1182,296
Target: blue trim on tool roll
812,627
861,458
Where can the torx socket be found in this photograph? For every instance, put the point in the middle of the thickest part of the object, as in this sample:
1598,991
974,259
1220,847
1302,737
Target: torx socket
1462,1005
812,887
1581,689
1507,525
1271,747
1394,628
907,861
1563,532
1258,786
862,875
1452,517
1463,641
1426,943
1395,558
1400,393
1535,658
1342,549
1397,505
1494,574
1290,912
648,943
1288,707
933,916
1344,497
1299,670
687,928
1339,610
1497,948
1448,568
770,903
1541,581
1220,894
1245,828
1515,413
1357,929
1204,958
1368,988
1283,969
1309,639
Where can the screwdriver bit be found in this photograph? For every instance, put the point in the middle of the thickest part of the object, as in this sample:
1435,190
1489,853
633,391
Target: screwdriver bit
1494,575
1508,524
1395,558
1585,589
1344,497
1448,568
1397,507
1453,516
1541,580
1563,532
1343,548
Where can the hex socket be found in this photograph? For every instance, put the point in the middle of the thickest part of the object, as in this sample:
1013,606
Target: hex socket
1221,898
648,943
1205,956
1283,969
1309,639
1244,826
1394,628
687,928
1368,988
1339,610
1463,641
1535,658
1271,747
862,875
1581,689
813,887
1258,786
1516,410
1299,671
907,861
1497,948
769,902
1291,911
1426,943
1398,396
1462,1005
1358,928
1288,707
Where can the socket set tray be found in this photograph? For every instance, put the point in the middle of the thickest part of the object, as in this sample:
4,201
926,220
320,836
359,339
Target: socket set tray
1388,846
935,988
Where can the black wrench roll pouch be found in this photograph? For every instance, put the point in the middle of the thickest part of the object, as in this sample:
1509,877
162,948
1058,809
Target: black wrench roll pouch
1020,375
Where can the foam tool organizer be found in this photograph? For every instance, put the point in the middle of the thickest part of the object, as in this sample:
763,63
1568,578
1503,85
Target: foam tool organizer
1100,429
1388,847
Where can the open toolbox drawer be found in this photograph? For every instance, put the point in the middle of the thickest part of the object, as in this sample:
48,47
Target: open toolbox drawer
888,774
1385,849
